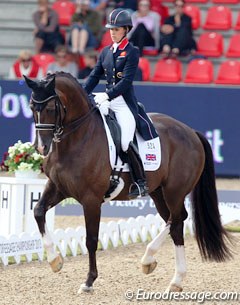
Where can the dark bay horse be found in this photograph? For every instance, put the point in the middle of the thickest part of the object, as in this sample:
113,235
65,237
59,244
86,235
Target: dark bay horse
70,133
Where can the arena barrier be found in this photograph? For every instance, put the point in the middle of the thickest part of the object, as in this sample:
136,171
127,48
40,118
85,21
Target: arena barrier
72,241
19,233
18,197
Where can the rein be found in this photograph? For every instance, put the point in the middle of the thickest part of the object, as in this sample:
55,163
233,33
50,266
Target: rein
74,125
58,128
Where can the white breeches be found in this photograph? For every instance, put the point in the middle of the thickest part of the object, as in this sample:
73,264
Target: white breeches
125,119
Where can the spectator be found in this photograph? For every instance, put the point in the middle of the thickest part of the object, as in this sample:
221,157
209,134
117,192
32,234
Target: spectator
90,60
98,5
62,62
127,4
25,65
177,35
46,32
146,27
86,29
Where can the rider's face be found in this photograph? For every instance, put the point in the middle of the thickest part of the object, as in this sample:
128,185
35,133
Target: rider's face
117,34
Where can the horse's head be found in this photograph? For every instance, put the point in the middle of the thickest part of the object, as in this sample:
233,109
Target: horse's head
59,104
48,112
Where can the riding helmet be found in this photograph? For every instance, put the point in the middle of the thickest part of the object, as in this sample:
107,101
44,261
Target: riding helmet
119,18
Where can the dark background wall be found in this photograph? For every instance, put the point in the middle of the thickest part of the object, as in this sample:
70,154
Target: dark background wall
213,111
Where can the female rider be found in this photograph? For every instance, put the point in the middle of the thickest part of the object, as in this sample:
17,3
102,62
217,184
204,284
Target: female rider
119,63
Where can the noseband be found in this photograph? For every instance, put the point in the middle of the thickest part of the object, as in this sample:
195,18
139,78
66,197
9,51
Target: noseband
58,127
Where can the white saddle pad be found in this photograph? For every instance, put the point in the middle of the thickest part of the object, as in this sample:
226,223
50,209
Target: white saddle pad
150,151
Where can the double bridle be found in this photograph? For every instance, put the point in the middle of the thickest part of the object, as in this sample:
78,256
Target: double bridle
58,127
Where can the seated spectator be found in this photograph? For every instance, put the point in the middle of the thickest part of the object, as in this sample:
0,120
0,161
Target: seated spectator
177,35
127,4
90,60
46,32
25,65
98,5
62,62
146,27
86,31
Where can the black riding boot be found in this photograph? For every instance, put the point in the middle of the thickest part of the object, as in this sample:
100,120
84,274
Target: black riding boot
139,187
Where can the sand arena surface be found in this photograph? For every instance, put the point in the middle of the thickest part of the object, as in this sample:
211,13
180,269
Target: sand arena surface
119,270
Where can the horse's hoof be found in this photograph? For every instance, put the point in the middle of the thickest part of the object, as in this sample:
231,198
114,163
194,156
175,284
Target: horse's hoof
84,288
147,269
174,288
57,263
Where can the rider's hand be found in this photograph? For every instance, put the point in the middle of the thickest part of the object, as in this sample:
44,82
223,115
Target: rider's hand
101,97
104,107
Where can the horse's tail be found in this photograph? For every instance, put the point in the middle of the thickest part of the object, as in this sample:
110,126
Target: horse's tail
211,237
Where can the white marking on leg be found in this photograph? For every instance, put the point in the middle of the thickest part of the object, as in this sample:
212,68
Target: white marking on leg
155,245
180,266
49,245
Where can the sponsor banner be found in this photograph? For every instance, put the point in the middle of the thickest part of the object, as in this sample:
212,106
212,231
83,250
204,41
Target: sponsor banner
213,111
229,205
24,244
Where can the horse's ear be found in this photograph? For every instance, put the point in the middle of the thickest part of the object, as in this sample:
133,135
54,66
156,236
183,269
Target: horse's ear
31,84
51,84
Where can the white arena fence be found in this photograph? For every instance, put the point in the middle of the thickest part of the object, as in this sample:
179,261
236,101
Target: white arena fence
72,241
19,233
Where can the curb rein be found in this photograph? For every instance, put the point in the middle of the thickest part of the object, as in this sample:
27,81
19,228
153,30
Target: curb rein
58,127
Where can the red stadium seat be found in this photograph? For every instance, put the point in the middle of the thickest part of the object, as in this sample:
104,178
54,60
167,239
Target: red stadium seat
218,18
229,73
44,59
195,13
226,1
199,71
162,10
237,25
167,70
65,10
144,65
196,1
150,51
106,40
234,46
210,44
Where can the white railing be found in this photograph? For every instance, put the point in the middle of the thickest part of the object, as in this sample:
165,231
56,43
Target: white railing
72,241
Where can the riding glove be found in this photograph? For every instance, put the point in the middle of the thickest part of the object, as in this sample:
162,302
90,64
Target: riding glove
104,107
101,97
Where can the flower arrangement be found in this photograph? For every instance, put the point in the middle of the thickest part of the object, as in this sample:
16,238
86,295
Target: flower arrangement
23,157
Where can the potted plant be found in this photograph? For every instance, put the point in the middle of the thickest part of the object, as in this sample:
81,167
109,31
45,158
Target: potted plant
23,159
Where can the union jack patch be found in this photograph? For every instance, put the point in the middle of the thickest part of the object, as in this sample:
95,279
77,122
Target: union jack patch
151,157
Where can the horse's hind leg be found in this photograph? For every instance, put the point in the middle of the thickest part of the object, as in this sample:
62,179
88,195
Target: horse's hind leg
178,214
49,199
92,215
148,261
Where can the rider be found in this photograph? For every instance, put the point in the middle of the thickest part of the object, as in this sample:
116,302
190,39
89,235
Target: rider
119,63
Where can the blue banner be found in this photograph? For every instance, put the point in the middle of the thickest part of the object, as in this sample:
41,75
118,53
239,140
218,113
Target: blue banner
213,111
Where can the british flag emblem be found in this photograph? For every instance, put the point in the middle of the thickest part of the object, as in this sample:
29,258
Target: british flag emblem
150,157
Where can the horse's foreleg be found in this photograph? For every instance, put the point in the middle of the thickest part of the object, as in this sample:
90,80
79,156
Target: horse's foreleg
92,219
148,261
176,232
49,199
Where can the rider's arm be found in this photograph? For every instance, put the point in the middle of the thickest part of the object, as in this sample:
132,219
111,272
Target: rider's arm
128,74
95,75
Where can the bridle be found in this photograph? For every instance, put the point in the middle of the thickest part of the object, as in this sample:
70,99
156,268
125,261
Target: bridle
59,129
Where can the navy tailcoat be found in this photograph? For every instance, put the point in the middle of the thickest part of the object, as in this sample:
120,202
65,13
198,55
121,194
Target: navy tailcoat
119,69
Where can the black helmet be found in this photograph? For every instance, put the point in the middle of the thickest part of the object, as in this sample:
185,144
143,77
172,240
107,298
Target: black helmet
119,18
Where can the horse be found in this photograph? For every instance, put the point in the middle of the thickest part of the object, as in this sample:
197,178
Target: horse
70,134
